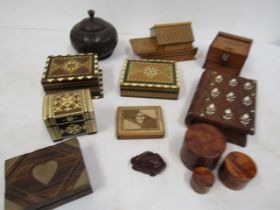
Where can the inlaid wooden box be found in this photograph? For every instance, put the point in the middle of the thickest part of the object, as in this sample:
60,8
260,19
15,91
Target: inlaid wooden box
227,102
172,41
228,53
150,79
46,178
72,72
68,114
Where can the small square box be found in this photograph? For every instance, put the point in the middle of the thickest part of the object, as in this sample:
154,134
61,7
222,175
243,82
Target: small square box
140,122
228,53
69,114
227,102
150,79
72,72
46,178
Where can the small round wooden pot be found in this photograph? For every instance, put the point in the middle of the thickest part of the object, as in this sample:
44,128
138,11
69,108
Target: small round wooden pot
203,146
237,170
202,180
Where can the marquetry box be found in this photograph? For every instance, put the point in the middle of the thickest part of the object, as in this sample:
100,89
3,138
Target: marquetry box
150,79
68,114
228,53
173,41
72,72
46,178
140,122
227,102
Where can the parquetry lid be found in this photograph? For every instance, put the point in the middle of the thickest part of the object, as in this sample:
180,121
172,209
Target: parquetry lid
70,68
159,74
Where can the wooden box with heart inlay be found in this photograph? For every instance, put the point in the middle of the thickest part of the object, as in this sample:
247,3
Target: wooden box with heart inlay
228,53
72,72
226,102
68,114
46,178
140,122
150,79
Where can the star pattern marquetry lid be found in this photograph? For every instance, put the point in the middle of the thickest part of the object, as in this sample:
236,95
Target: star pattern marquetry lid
67,104
134,122
47,177
174,33
226,101
70,68
150,74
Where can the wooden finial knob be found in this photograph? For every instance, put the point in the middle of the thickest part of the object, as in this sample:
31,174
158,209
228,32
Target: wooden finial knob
202,180
237,170
91,13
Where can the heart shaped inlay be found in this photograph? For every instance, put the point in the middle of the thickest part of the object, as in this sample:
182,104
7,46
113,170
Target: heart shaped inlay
44,172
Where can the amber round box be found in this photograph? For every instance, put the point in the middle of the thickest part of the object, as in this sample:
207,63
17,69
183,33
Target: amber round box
237,170
203,146
202,180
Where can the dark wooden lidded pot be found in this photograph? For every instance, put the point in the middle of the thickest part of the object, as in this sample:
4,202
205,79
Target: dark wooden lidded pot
204,144
94,35
202,180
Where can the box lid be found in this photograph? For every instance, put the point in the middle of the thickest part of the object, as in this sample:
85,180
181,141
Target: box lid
70,68
173,33
150,74
69,106
232,43
225,101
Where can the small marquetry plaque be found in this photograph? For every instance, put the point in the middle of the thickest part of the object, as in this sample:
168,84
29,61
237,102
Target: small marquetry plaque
46,178
140,122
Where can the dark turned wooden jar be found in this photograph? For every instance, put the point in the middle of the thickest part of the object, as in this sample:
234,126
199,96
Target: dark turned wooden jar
202,180
94,35
203,146
237,170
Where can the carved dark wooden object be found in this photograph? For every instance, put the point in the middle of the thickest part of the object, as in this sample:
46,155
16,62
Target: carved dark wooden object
148,163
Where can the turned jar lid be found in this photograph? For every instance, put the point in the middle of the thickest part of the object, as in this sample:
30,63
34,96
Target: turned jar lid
92,24
205,140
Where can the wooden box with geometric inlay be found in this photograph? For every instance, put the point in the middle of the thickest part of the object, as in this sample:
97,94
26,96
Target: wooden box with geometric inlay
173,41
228,53
68,114
72,72
227,102
150,79
140,122
46,178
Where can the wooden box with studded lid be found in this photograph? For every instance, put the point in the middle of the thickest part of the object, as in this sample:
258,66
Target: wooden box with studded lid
228,53
150,79
72,72
227,102
68,114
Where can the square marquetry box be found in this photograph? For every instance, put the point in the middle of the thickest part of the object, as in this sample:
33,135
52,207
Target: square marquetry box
226,102
228,53
150,79
68,114
46,178
72,72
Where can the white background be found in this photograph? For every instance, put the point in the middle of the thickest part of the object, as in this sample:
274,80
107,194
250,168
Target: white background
32,30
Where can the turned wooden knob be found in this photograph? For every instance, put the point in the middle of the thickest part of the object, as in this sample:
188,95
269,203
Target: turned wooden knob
203,146
202,180
237,170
